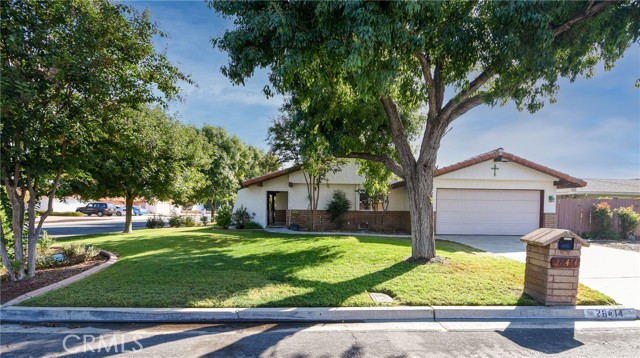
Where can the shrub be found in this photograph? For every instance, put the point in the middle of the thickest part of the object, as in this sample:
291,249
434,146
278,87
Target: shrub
79,252
241,217
44,243
155,222
59,213
223,217
602,217
253,225
629,220
338,208
176,221
204,219
189,221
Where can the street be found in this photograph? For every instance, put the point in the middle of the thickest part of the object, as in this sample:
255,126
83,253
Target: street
92,225
400,339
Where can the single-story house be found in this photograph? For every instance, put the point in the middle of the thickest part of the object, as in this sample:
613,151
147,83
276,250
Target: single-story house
495,193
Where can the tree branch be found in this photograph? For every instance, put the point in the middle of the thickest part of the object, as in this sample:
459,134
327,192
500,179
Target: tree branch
425,64
391,164
439,82
462,96
398,135
465,106
592,10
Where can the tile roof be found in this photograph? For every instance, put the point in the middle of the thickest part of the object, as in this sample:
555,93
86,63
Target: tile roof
565,180
269,176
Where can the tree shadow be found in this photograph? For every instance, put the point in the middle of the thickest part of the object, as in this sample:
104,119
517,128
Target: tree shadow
562,340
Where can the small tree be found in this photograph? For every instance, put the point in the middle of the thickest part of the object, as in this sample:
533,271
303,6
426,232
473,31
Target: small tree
338,208
309,153
223,217
602,219
629,220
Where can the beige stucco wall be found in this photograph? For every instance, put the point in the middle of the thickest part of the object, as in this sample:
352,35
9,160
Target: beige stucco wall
509,176
298,195
480,176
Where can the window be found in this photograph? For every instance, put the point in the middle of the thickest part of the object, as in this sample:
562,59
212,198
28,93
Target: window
375,203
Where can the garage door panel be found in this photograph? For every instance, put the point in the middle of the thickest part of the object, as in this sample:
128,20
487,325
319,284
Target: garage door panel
487,212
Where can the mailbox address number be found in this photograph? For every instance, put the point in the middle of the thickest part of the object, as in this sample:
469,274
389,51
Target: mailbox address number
565,262
609,313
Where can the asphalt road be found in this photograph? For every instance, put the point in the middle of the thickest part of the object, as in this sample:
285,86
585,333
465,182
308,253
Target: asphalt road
411,339
92,226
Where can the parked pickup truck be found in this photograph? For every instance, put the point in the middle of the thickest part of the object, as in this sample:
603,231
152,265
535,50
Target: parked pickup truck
99,209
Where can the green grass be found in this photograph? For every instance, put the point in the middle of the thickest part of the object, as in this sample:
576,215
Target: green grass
203,267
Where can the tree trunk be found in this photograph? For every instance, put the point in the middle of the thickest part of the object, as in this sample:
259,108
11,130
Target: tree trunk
128,224
17,224
420,188
5,255
32,235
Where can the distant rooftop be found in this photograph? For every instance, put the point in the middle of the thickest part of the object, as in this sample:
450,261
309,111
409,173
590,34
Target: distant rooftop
606,187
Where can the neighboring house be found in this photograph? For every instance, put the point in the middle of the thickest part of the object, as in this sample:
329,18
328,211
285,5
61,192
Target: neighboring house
605,188
496,193
575,205
62,205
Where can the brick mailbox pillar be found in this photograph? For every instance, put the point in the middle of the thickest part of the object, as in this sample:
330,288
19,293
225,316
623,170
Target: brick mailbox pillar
553,264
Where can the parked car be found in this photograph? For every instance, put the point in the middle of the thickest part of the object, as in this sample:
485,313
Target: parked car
138,210
99,209
120,210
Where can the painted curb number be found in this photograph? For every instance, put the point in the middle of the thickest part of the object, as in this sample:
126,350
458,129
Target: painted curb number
609,313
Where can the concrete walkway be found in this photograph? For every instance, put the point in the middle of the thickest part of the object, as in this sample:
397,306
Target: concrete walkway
610,271
351,233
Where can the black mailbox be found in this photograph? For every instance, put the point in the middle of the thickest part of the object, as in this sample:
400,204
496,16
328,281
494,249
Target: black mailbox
566,243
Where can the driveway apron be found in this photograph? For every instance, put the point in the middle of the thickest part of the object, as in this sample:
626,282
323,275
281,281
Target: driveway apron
611,271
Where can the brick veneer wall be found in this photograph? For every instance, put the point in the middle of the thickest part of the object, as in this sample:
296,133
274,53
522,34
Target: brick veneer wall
550,221
391,221
280,216
551,286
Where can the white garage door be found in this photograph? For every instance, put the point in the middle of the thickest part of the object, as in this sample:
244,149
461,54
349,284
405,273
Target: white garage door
487,212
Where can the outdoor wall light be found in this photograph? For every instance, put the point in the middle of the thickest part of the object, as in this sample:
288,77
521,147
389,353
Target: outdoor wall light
551,198
499,158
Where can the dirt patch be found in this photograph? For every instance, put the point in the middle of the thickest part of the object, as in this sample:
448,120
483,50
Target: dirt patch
44,277
628,245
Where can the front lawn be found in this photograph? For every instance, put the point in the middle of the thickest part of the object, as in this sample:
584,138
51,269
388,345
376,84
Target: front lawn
202,267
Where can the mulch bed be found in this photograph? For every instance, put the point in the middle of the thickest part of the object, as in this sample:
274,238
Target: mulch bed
44,277
628,245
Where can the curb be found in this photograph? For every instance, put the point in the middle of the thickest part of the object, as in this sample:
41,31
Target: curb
592,313
193,315
316,314
67,281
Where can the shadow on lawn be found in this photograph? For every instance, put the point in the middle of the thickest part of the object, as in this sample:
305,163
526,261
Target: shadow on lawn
192,267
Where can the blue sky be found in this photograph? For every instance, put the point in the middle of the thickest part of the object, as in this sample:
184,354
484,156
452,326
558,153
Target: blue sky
593,131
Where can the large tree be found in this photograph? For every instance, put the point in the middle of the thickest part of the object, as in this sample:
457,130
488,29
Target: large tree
145,154
448,57
230,162
67,67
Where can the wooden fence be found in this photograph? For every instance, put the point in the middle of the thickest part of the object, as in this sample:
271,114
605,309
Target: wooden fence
575,213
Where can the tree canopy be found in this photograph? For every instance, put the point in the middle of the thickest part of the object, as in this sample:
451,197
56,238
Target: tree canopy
67,68
230,161
444,57
146,154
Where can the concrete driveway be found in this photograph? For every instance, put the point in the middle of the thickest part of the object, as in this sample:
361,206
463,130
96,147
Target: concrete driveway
610,271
